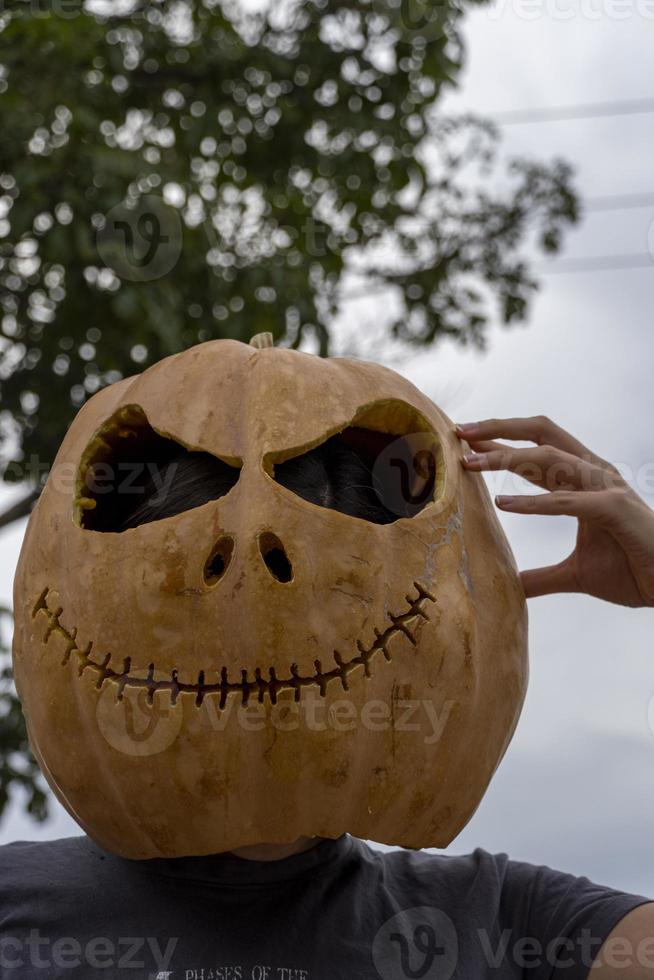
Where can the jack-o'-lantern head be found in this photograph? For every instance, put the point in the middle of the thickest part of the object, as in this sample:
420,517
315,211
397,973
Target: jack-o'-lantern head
260,666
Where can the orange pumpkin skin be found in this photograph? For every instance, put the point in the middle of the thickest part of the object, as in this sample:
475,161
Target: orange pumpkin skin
374,693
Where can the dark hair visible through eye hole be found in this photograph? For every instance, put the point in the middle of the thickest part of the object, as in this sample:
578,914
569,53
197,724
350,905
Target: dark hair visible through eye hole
337,476
131,474
186,480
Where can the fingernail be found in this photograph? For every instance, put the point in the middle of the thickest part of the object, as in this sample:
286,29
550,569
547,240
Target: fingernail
504,501
475,458
465,426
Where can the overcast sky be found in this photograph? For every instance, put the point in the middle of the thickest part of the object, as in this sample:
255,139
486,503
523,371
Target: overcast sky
576,788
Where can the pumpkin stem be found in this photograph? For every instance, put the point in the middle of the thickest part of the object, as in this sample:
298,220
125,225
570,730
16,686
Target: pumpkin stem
262,340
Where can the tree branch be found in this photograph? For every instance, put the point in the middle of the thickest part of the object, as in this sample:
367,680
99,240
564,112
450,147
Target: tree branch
21,508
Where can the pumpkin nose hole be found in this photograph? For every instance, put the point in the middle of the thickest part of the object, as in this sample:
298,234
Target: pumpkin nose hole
217,562
274,556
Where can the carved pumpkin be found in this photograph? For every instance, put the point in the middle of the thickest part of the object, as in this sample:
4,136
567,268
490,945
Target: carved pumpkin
258,668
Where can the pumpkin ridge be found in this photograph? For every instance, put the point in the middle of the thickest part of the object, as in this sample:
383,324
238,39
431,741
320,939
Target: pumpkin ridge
321,678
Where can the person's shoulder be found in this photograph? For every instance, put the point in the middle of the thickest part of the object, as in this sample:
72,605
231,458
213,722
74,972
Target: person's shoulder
497,868
499,885
445,873
427,862
40,864
21,850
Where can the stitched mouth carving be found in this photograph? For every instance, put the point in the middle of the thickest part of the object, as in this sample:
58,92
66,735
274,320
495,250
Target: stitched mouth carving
259,686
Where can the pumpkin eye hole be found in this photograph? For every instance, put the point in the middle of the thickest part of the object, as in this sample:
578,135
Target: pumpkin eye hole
131,475
376,476
275,557
217,563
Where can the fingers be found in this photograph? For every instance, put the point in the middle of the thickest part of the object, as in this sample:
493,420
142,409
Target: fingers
538,429
544,466
486,446
573,503
548,581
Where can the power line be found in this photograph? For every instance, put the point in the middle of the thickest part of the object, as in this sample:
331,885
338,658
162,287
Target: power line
618,202
597,263
590,263
590,110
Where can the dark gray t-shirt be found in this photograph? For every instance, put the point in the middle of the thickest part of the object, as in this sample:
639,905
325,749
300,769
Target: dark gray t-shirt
339,911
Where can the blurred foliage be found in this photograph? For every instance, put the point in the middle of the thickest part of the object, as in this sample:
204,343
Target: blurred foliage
182,170
18,768
288,146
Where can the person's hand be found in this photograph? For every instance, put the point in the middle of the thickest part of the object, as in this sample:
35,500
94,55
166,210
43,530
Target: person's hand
614,555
